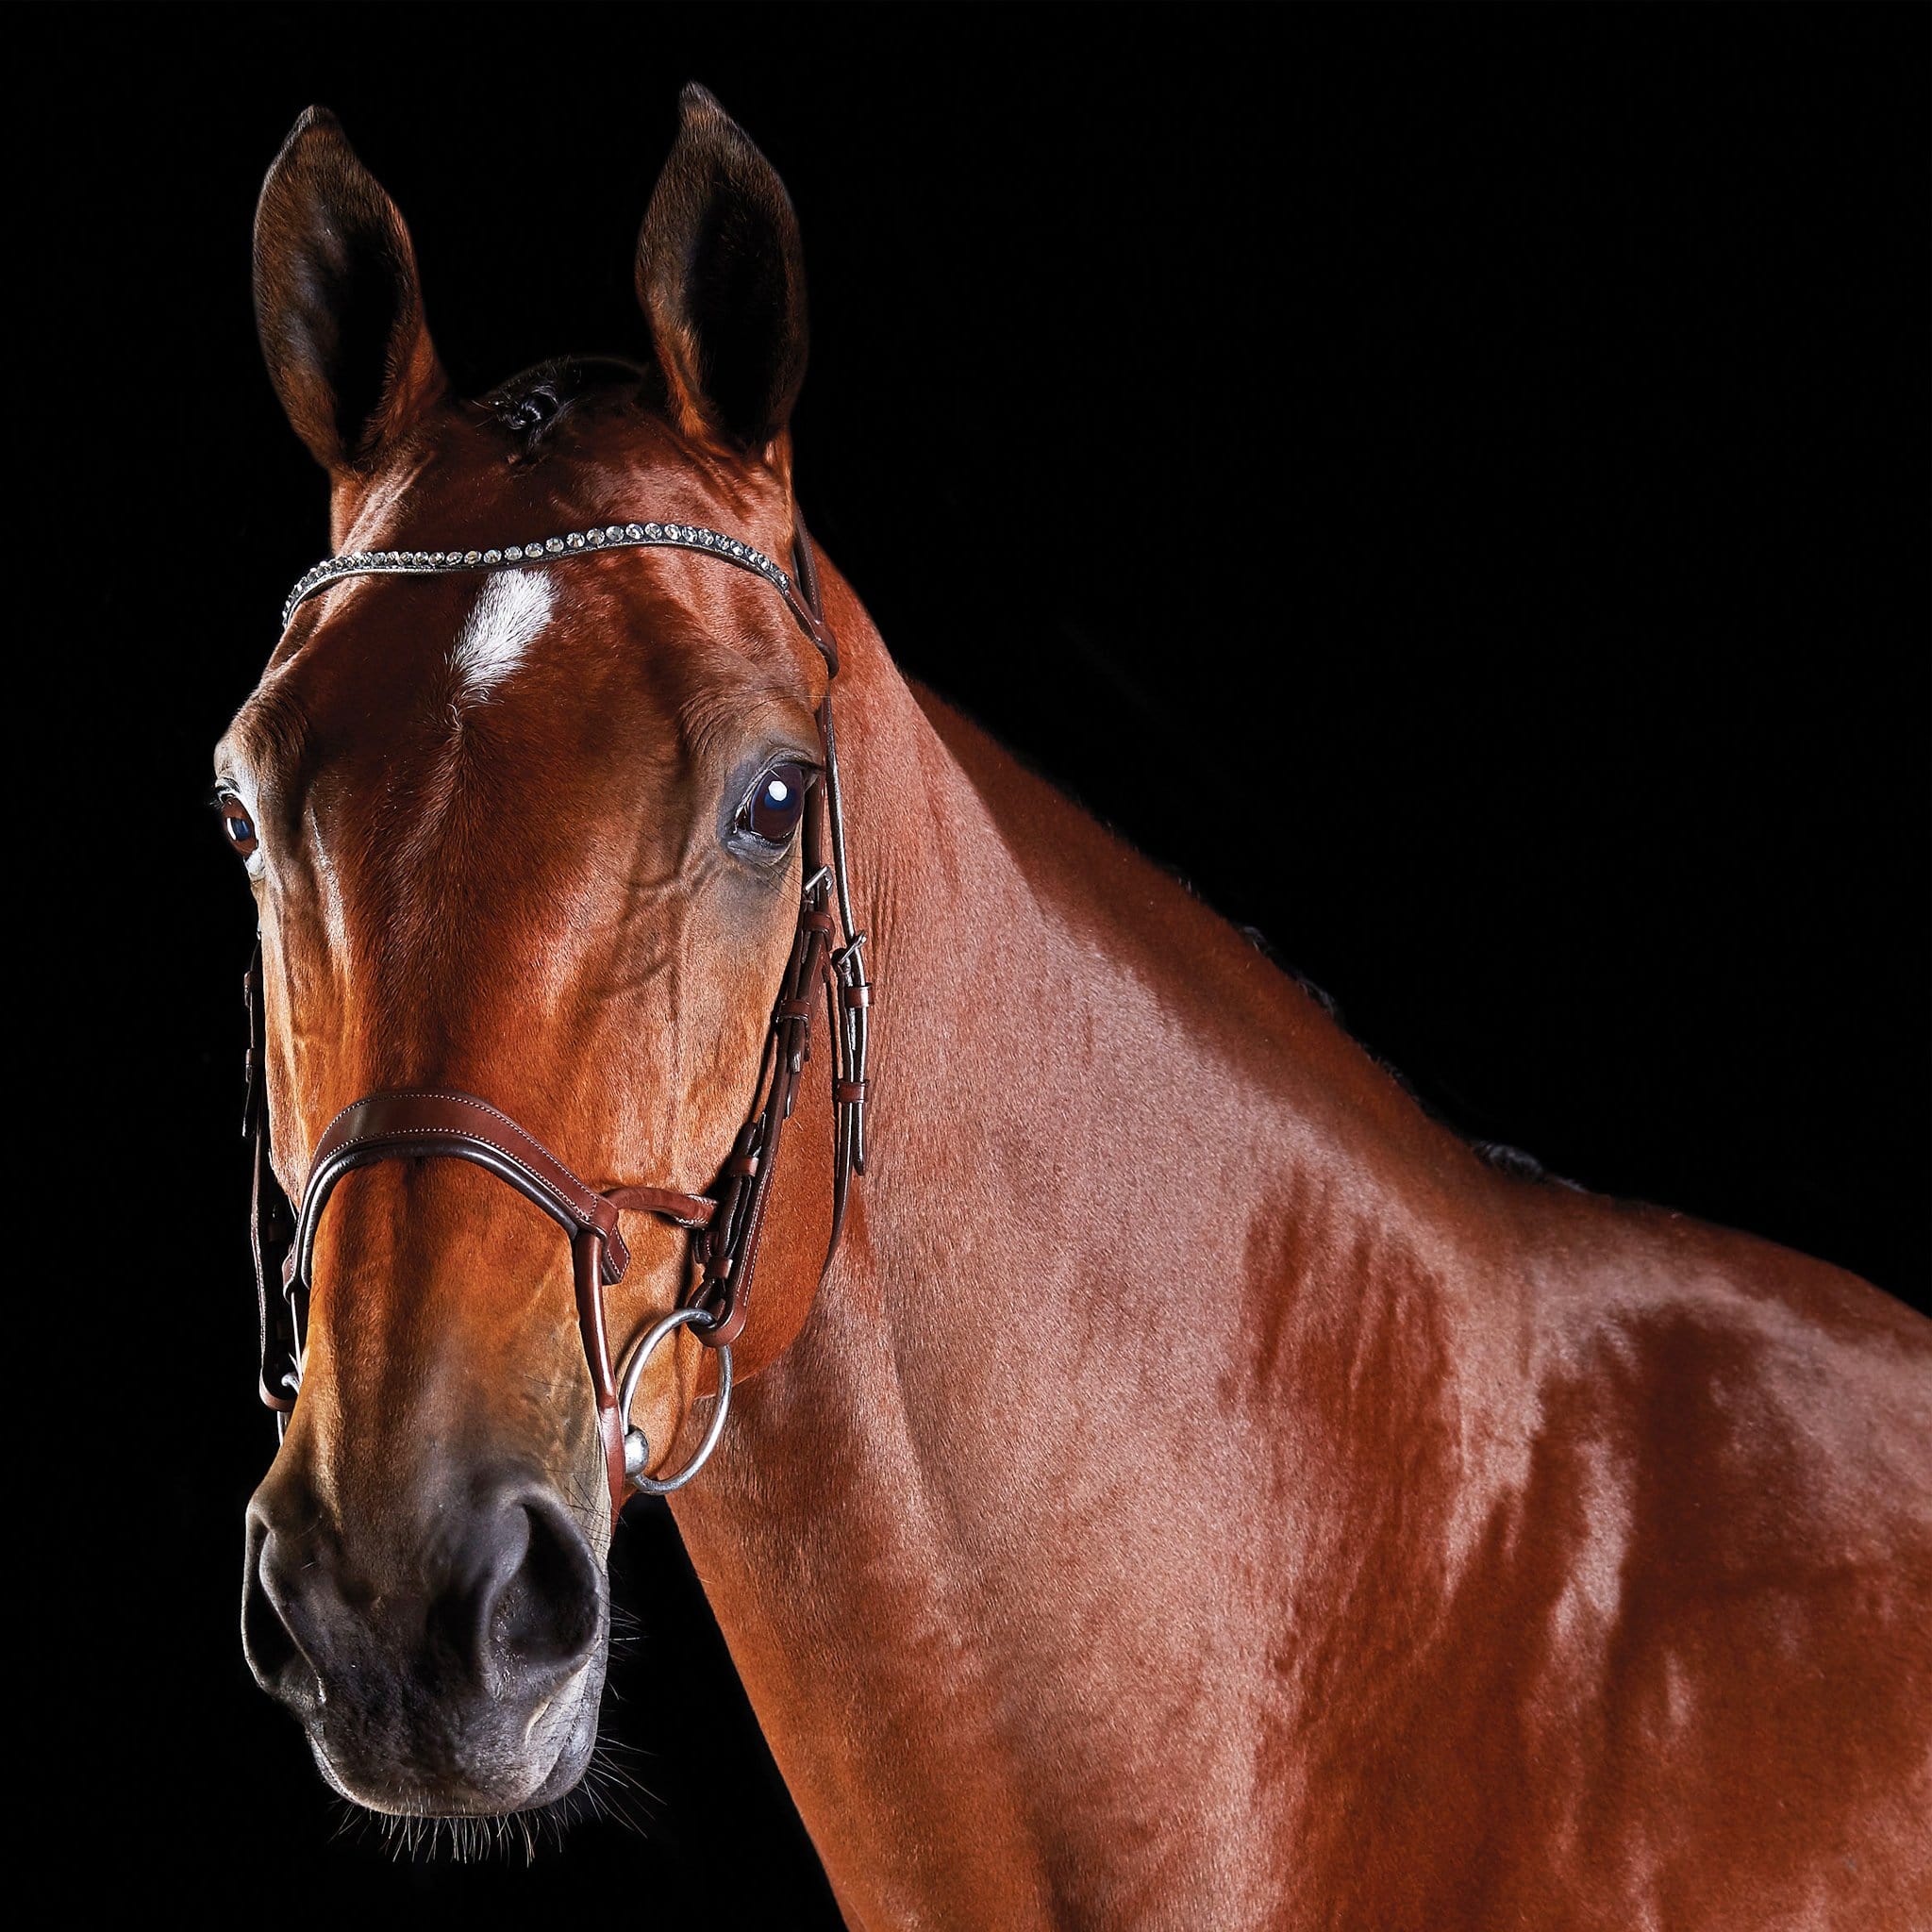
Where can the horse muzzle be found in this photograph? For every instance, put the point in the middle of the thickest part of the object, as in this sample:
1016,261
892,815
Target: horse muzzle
466,1679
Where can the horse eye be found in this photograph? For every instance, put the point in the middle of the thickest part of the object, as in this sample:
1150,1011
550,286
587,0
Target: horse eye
239,826
777,804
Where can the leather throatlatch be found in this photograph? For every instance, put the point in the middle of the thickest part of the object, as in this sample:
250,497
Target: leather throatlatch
726,1225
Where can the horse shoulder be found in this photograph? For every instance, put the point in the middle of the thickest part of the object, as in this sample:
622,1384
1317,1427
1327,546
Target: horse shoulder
1725,1581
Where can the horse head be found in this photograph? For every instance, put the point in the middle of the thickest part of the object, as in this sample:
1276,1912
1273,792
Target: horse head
532,836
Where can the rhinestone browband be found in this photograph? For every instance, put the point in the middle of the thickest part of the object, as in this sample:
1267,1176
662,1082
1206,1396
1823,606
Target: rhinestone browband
353,563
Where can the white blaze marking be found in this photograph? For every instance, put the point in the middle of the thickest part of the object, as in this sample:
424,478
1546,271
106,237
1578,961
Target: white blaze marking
509,612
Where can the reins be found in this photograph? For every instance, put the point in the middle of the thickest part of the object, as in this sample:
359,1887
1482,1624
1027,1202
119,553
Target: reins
727,1224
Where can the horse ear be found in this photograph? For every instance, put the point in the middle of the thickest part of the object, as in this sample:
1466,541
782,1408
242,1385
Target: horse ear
721,276
337,299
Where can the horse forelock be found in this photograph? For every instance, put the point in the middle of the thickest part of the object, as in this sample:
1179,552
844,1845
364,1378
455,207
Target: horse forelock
530,406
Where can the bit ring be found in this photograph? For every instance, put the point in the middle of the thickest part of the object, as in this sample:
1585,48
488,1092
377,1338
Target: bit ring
637,1451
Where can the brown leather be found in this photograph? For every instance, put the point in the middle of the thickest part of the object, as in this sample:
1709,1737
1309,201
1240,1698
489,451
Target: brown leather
695,1211
730,1255
426,1124
414,1124
385,1126
269,1225
587,1259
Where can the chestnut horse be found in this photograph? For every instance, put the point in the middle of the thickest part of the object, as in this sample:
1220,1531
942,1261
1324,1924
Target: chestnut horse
1202,1492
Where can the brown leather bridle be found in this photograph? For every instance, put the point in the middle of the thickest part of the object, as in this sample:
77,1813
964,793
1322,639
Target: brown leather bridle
413,1123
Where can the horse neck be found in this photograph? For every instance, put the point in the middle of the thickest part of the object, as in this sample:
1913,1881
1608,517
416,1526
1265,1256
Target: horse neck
1083,1400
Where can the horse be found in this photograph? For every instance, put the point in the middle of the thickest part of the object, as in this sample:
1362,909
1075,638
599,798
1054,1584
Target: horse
1201,1489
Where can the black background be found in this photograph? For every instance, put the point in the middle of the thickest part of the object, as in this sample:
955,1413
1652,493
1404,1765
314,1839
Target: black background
1566,369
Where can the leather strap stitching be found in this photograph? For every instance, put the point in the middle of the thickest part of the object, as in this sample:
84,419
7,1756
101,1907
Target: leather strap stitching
465,1100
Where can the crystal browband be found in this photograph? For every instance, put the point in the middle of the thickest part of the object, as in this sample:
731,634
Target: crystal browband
353,563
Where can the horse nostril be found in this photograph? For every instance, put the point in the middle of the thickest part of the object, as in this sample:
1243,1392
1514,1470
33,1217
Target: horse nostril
542,1610
266,1641
507,1602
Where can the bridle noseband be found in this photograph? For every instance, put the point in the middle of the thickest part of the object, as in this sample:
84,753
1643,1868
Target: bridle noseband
412,1124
